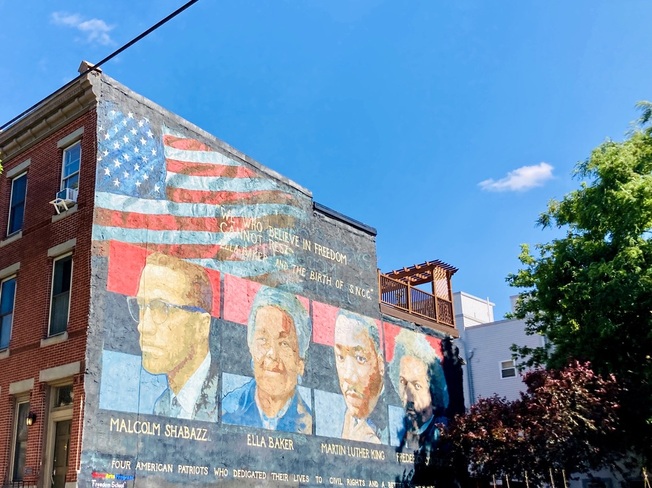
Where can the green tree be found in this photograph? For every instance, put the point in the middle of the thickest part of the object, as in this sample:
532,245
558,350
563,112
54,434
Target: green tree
590,291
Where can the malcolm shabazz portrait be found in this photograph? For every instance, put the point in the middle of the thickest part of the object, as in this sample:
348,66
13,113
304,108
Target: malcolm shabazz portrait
172,308
278,335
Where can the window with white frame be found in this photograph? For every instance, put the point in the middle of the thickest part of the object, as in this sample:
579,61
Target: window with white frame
19,447
71,163
17,204
60,303
507,369
7,297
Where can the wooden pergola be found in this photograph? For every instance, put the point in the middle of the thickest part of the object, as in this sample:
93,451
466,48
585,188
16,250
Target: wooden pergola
399,295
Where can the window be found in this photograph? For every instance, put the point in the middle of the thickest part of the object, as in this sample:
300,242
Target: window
63,396
71,160
507,369
20,440
17,204
7,295
60,304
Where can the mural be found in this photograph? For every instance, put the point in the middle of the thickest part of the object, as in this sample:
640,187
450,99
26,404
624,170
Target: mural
418,377
176,195
171,309
360,371
278,333
236,337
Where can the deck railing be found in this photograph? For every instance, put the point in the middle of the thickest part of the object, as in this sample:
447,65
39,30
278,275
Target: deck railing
415,301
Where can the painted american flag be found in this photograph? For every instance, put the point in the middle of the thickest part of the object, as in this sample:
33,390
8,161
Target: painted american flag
170,193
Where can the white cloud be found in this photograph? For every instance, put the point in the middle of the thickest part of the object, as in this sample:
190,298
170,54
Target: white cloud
96,30
521,179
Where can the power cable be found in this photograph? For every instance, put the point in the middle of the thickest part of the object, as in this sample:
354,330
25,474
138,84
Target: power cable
108,58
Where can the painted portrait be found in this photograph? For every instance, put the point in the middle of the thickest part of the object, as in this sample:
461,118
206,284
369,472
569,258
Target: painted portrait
360,371
417,376
160,361
278,335
171,309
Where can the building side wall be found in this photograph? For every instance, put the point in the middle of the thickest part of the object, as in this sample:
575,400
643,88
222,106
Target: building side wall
169,193
470,310
30,352
489,344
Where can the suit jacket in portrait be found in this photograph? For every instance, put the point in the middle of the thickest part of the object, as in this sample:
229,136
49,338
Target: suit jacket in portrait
413,440
206,404
377,422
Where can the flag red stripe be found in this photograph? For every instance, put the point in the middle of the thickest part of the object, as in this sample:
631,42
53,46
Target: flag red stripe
132,220
185,144
201,251
190,251
209,169
181,195
126,262
210,251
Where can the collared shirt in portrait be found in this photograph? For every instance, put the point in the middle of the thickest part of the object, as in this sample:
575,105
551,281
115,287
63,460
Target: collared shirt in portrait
189,393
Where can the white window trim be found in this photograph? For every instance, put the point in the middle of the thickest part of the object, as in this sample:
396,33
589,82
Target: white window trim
11,200
14,432
58,373
9,271
5,273
12,238
58,216
60,249
18,169
63,164
70,139
503,369
22,386
13,310
72,264
55,339
66,143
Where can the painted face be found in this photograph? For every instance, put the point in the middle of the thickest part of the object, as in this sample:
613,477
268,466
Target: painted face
275,353
414,389
359,368
169,335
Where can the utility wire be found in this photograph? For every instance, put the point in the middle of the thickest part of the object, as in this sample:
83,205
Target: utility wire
108,58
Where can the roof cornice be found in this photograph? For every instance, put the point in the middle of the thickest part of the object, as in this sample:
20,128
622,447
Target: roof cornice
54,112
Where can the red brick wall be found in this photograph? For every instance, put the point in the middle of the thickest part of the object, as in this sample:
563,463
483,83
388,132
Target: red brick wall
31,313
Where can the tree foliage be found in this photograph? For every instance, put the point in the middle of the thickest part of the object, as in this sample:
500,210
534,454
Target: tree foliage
590,291
564,421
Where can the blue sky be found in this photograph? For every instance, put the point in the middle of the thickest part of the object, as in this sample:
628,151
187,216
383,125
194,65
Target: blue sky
447,126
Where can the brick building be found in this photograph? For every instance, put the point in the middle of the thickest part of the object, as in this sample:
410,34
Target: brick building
103,192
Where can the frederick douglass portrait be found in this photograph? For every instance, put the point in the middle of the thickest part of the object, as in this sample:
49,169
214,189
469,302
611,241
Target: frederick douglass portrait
418,378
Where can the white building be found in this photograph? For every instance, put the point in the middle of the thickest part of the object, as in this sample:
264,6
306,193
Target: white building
486,345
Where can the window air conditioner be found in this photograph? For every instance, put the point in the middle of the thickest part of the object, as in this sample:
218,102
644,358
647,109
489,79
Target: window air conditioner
65,199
